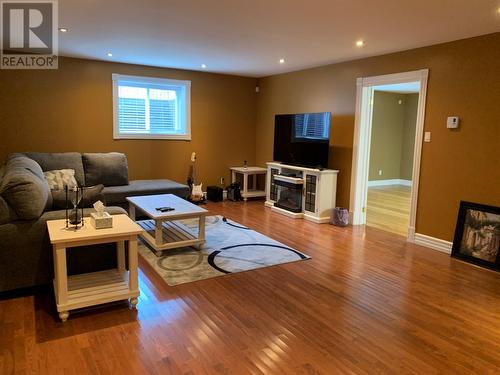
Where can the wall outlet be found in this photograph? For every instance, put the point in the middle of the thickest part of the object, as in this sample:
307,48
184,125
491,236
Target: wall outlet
380,172
221,180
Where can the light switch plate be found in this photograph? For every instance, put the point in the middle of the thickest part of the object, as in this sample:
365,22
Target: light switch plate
427,136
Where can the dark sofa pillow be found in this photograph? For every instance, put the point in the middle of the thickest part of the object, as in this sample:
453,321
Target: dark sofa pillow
109,169
90,196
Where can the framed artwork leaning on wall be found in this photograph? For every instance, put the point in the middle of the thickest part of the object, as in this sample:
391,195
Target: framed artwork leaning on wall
477,235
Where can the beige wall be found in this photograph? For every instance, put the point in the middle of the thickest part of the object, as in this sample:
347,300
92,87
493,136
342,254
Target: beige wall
386,146
409,129
393,135
464,80
70,109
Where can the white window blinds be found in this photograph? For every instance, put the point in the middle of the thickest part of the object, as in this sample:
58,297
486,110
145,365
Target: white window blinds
151,108
312,125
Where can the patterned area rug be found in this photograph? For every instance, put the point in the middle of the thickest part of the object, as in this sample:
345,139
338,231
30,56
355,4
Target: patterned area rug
229,248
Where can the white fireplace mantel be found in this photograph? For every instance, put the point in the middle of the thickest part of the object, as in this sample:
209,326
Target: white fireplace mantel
319,190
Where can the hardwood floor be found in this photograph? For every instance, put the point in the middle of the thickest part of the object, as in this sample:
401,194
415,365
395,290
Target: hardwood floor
388,208
367,302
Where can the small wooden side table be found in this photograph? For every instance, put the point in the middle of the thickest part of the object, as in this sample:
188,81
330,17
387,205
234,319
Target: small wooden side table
249,171
77,291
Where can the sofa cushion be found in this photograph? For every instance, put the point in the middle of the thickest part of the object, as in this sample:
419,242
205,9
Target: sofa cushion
109,169
60,178
26,193
118,194
90,196
60,160
60,214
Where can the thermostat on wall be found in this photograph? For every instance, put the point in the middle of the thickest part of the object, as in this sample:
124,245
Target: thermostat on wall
452,122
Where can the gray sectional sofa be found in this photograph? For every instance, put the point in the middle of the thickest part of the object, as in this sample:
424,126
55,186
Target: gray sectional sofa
26,205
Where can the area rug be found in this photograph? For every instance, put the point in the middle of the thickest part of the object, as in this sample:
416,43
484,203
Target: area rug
229,248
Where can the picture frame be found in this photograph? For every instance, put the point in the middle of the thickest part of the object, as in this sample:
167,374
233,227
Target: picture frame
477,235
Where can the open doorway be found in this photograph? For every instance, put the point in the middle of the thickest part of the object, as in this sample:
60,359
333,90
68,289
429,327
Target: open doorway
387,147
390,169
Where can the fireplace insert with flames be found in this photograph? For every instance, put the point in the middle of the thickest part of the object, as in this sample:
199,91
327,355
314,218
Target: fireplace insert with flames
289,196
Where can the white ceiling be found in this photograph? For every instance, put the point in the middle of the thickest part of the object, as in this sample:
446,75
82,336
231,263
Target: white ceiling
402,88
249,37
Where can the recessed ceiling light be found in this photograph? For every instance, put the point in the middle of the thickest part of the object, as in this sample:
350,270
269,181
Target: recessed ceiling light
360,43
282,61
109,54
203,66
63,30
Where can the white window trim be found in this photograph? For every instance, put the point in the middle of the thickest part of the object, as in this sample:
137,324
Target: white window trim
160,81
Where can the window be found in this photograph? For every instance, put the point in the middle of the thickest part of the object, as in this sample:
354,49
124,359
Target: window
151,108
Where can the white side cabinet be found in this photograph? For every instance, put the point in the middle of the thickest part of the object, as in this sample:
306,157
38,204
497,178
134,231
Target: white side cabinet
317,189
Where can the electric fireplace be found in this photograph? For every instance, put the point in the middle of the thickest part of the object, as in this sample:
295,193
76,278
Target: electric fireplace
289,196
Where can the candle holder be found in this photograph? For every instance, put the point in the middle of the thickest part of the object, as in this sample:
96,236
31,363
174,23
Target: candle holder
74,217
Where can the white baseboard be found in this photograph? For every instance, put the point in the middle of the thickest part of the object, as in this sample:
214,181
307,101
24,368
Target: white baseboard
396,181
317,220
410,236
433,243
269,203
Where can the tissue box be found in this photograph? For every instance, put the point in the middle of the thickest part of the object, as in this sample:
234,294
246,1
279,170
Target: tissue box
105,221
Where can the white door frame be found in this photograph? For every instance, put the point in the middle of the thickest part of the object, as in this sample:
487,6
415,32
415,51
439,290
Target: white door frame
362,137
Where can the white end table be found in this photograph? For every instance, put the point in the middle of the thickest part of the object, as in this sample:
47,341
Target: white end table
249,171
77,291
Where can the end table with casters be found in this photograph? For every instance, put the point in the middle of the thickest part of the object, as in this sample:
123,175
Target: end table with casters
77,291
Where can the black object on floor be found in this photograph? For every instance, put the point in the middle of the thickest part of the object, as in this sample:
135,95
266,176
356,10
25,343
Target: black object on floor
233,192
214,193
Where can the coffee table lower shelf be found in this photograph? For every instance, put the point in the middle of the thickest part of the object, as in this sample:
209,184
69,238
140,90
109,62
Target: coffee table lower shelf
174,235
96,288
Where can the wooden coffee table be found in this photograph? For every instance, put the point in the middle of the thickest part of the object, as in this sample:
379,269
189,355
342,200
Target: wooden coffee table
77,291
164,231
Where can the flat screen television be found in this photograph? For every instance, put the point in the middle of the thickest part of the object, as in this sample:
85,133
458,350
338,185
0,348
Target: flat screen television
302,139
